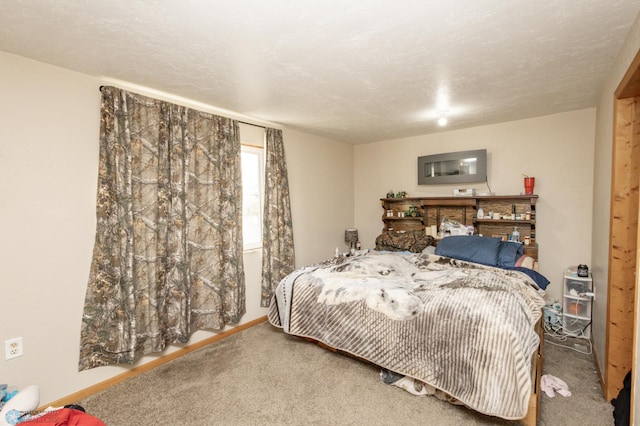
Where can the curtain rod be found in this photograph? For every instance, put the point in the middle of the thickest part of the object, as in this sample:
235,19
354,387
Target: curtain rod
251,124
239,121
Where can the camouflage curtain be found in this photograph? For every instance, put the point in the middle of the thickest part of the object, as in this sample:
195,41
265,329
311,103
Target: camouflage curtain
277,230
167,258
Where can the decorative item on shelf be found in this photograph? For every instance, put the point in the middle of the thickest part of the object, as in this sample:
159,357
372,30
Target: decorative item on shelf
452,227
515,236
391,194
529,183
401,194
480,214
351,237
527,240
413,211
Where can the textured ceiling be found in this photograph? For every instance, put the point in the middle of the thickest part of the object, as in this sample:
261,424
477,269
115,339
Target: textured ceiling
355,71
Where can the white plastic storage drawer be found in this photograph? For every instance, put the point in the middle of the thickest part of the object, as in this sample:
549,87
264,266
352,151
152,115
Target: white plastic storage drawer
577,306
576,287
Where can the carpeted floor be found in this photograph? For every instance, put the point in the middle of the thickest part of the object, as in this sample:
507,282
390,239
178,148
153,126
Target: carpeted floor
261,376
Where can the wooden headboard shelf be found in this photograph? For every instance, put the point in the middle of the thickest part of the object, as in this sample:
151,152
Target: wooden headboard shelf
429,211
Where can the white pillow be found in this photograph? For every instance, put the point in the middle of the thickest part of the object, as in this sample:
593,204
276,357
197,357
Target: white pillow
24,402
429,250
526,262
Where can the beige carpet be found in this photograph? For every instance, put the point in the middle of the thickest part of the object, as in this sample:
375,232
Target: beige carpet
260,376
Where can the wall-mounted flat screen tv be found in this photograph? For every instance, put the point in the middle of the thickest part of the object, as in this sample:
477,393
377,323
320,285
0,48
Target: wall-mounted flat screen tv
453,167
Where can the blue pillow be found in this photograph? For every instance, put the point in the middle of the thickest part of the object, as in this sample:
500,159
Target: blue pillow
472,248
539,279
509,253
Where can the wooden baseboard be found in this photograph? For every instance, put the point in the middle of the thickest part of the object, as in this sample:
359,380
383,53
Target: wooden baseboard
134,371
597,362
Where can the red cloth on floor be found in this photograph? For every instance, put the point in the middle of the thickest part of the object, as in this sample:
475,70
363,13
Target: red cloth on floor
65,417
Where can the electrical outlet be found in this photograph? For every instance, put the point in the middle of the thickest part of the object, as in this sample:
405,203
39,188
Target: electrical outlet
13,348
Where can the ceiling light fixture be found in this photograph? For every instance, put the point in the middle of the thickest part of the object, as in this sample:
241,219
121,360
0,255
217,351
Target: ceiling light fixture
442,121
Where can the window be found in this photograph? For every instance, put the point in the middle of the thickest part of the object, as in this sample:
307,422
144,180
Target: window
252,184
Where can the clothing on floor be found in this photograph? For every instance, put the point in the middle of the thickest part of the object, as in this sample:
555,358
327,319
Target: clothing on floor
549,384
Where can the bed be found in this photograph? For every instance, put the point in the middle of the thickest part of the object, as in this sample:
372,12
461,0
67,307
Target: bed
462,329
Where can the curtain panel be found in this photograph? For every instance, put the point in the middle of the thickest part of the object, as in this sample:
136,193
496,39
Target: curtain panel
277,235
168,254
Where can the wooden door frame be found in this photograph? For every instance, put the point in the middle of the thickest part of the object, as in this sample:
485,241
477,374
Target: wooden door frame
624,238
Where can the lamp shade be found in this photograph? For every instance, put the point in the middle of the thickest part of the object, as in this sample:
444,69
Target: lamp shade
351,235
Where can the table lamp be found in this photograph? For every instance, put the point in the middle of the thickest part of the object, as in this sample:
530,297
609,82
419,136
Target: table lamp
351,237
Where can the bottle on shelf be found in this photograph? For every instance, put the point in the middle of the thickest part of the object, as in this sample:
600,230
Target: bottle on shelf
515,236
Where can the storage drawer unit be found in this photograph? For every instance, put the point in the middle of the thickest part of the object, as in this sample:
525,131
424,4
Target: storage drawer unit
577,304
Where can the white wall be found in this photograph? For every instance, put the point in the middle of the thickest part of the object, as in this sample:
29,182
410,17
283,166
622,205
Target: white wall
321,177
602,191
49,124
557,150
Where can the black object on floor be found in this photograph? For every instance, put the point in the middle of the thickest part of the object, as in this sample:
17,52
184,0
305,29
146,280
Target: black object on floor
622,404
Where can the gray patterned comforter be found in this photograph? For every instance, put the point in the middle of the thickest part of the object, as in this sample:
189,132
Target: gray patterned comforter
460,327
